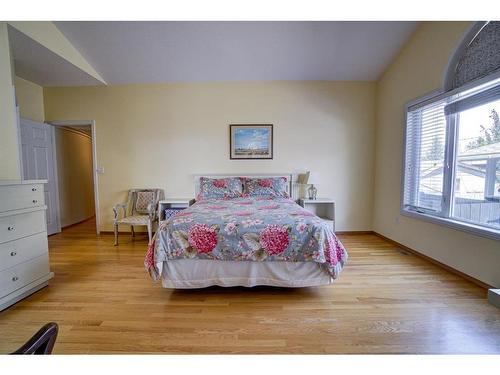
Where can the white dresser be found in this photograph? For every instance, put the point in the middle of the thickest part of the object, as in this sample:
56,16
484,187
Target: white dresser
24,255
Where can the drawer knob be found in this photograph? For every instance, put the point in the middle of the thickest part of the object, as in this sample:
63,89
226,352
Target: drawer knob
34,201
15,278
10,228
34,189
13,253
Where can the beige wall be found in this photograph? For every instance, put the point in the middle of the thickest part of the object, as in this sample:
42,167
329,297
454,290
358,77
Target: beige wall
9,144
160,135
419,69
29,99
74,168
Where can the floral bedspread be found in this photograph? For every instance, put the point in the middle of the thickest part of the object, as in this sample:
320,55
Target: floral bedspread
246,229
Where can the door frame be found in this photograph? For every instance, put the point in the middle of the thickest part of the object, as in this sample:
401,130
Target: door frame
70,123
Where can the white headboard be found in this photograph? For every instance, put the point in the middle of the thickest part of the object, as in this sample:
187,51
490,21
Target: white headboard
289,176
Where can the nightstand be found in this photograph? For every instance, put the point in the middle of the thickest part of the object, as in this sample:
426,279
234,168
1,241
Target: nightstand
172,203
322,207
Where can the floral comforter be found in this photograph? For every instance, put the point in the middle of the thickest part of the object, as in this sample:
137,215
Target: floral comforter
246,229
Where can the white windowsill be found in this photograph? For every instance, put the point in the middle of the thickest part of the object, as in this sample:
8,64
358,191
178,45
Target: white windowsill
455,224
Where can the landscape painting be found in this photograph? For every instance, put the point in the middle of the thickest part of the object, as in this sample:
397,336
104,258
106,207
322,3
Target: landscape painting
251,141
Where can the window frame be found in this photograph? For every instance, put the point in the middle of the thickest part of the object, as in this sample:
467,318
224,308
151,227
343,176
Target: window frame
444,217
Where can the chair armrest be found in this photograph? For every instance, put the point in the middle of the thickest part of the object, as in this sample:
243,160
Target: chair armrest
117,207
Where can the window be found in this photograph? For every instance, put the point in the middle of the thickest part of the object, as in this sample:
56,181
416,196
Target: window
452,159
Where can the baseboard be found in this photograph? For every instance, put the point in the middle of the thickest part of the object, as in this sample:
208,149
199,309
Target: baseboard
110,232
353,232
341,232
436,262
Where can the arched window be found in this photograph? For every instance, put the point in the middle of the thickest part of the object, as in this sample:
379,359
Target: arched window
476,57
452,141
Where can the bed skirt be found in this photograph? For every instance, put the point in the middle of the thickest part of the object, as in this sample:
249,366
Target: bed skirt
202,273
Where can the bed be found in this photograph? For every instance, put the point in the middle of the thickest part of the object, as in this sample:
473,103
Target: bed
244,236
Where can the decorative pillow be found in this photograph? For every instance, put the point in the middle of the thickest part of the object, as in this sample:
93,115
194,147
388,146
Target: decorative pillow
218,188
169,212
271,187
144,198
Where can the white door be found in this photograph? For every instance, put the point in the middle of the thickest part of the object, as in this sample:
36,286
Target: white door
38,163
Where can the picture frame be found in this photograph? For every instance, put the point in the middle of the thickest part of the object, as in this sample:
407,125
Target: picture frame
251,141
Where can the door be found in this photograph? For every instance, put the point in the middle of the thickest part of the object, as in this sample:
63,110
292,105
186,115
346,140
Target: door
38,164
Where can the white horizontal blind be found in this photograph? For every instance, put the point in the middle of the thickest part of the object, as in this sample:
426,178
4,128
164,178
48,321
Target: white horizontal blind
424,157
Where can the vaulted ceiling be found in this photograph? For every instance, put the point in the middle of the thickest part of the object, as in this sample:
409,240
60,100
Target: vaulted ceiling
160,52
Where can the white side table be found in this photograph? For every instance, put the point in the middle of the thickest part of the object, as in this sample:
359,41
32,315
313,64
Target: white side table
179,203
322,207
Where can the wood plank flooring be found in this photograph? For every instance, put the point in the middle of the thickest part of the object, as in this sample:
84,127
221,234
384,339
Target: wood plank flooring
385,301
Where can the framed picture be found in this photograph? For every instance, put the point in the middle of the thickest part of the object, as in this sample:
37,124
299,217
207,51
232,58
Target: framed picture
251,141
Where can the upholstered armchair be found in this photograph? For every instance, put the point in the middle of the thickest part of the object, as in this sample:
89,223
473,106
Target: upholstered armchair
140,209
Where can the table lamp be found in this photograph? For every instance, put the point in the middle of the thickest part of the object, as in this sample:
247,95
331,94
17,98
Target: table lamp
311,179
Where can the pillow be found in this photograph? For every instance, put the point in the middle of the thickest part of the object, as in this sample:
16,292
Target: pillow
270,187
219,188
144,198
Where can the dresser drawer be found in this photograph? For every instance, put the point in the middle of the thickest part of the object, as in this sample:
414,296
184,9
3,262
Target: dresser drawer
18,276
17,226
23,249
14,197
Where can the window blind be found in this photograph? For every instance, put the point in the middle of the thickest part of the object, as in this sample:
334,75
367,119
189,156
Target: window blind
424,157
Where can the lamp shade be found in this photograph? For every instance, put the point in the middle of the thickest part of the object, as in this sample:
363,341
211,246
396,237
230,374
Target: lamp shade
311,178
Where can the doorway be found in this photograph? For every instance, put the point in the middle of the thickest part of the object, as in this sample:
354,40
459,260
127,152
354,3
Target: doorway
76,171
73,154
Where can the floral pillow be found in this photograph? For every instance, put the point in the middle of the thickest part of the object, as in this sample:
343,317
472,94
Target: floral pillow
220,188
270,187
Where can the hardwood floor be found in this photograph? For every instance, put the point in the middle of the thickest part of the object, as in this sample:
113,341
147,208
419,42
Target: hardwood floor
385,301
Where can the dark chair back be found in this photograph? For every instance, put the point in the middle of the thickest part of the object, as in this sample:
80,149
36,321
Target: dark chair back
42,342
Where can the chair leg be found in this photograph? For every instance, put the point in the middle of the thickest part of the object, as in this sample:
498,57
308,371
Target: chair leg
150,234
132,229
116,234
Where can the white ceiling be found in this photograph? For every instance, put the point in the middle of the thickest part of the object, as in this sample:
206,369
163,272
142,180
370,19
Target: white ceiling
156,52
159,52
